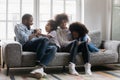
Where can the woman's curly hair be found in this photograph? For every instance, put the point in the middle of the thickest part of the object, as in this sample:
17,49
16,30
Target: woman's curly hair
79,28
60,17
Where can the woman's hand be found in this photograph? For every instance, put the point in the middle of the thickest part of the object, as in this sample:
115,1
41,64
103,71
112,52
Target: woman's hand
88,40
79,42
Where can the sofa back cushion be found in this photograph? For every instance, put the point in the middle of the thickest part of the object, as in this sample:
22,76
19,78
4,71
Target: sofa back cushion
95,37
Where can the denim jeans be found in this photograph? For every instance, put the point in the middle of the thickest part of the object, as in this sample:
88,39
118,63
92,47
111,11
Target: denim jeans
45,52
73,48
83,47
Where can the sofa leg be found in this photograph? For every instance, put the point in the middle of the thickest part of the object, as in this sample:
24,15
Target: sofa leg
3,64
64,69
7,70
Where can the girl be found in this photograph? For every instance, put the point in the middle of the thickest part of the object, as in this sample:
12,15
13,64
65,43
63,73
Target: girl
80,33
51,28
52,36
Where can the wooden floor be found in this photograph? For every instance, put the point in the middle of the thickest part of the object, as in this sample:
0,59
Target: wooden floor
108,72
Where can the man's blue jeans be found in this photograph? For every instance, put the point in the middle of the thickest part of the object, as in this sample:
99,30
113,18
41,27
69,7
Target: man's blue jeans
45,51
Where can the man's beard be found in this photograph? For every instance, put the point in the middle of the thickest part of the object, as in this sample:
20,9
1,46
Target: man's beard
28,27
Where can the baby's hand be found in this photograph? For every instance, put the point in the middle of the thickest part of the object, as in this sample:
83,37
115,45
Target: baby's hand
103,50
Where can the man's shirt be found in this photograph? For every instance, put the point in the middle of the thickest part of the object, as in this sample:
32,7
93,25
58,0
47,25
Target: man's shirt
22,33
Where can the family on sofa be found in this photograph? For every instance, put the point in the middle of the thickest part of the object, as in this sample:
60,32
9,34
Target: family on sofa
59,38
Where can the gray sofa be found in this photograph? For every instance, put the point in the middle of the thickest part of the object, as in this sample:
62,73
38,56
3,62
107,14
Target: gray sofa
14,57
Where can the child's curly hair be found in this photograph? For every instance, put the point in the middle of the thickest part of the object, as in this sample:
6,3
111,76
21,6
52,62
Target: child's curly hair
52,24
60,17
79,28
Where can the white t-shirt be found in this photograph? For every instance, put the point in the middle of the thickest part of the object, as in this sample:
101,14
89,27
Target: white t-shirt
53,38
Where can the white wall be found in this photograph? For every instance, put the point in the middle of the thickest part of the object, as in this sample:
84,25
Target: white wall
98,16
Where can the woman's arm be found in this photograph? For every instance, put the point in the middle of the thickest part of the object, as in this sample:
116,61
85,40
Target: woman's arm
87,38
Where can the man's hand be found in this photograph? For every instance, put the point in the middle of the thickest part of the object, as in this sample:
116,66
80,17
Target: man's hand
37,32
32,36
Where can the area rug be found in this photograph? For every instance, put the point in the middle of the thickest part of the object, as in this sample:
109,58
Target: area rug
108,72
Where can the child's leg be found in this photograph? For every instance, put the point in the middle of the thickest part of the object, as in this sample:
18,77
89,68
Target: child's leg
103,50
86,57
72,49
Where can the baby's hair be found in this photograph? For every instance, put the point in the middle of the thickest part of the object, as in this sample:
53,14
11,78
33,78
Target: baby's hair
52,24
79,28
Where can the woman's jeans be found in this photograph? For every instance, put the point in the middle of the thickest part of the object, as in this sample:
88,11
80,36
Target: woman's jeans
45,52
73,48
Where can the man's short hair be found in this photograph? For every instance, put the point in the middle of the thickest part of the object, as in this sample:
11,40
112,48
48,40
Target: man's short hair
26,17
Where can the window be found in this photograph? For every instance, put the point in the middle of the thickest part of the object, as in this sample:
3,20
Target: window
2,19
13,17
44,13
71,10
58,7
116,20
10,14
2,30
49,8
27,6
42,10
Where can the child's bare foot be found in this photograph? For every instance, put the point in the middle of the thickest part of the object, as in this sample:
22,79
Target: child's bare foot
103,50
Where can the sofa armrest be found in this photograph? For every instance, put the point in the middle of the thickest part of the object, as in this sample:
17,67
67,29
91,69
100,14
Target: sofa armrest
12,53
112,45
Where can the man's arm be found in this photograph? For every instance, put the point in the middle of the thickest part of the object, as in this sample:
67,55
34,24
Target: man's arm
24,36
32,36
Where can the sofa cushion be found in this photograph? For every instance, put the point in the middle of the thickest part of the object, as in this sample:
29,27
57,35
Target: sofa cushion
62,58
28,59
95,37
109,56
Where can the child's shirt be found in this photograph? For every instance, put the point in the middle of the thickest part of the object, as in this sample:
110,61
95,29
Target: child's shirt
91,46
53,39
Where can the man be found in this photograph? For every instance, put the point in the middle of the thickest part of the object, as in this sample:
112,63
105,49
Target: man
31,41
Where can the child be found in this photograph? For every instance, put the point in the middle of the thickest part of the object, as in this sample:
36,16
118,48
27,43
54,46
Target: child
51,28
80,32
